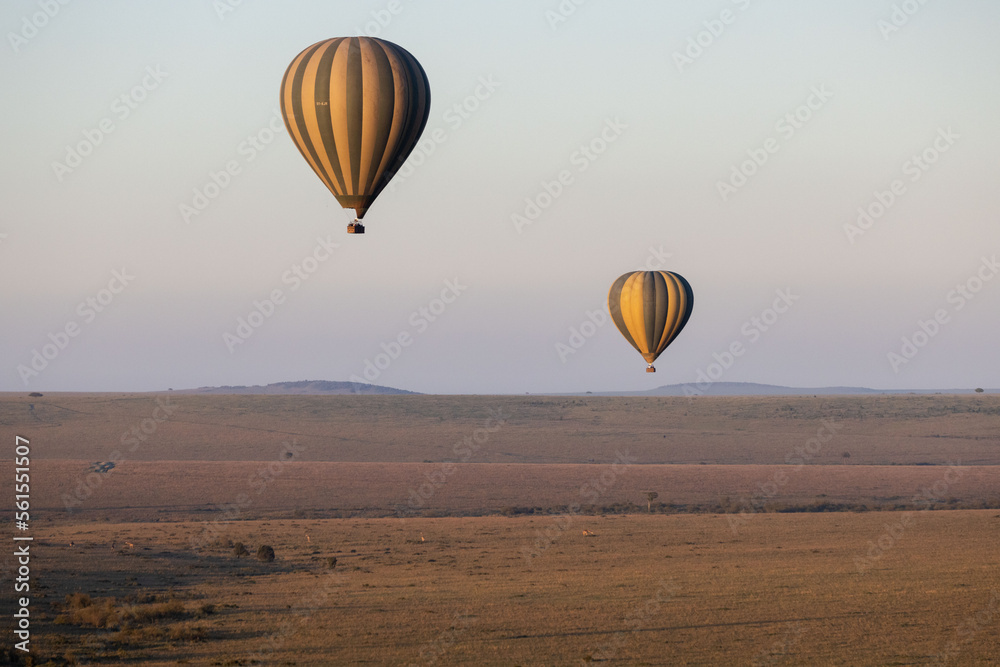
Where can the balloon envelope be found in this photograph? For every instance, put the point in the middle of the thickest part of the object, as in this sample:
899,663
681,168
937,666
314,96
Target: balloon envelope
355,108
650,308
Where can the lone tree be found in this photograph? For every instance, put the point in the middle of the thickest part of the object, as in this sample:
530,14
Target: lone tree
265,553
650,497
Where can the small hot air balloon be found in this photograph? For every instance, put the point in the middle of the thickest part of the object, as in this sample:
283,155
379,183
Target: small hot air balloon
650,308
355,108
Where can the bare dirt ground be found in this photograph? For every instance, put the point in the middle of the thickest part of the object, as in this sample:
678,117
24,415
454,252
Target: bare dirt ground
510,530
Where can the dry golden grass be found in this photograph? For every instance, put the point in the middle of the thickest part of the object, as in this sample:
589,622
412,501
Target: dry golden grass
876,430
683,589
145,551
216,491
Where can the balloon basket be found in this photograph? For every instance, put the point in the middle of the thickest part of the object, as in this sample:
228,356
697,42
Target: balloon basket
355,228
650,369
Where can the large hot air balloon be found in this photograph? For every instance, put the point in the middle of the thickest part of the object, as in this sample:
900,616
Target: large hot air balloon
355,107
650,308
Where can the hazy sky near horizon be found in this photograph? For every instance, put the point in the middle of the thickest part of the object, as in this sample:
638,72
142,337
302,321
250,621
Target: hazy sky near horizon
823,174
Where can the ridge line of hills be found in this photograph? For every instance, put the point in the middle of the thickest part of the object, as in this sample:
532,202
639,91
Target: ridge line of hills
305,387
326,387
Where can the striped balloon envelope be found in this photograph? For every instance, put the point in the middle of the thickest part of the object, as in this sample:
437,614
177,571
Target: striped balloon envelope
650,308
355,108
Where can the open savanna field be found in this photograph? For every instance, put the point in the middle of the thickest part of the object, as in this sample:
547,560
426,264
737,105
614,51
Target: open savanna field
849,530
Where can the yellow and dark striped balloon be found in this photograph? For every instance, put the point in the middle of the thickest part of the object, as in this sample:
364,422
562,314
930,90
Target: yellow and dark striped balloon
650,308
355,107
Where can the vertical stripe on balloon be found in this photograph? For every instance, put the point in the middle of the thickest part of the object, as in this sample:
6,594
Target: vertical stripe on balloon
355,108
650,308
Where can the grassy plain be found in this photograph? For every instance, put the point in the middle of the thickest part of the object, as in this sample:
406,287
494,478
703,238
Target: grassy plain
654,590
512,530
875,430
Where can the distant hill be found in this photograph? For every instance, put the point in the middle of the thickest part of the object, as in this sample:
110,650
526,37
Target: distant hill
302,387
755,389
324,387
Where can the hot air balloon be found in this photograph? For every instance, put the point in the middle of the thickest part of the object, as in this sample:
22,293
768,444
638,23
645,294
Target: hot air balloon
355,108
650,308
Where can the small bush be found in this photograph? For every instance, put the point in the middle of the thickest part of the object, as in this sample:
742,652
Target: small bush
107,613
153,612
103,615
78,601
187,632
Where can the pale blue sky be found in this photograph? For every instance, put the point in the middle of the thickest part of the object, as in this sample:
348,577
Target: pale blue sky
678,132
